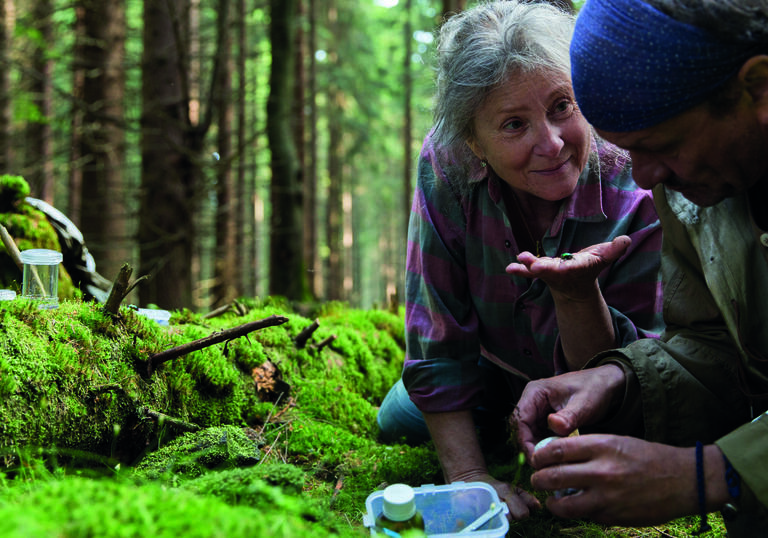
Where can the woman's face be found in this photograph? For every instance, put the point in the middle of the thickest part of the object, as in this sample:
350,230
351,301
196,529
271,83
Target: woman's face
533,136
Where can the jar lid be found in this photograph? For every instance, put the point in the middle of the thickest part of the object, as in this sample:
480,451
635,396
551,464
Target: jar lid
40,256
7,295
399,502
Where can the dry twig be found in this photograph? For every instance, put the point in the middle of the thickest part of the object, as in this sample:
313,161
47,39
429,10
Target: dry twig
224,336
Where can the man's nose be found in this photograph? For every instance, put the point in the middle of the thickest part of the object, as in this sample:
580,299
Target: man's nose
648,171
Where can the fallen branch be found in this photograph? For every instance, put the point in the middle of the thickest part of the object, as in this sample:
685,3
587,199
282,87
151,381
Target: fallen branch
337,488
165,420
306,334
320,345
118,291
157,359
218,311
13,251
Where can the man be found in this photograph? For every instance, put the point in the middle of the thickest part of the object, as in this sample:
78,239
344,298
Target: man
682,85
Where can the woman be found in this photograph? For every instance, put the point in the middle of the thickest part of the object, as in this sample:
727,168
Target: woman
530,248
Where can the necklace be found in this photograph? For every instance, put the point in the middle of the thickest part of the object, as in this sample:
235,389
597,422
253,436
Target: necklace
521,218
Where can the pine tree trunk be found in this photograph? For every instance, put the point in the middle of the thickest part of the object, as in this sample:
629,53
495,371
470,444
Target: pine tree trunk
38,168
167,228
225,287
287,275
102,143
5,88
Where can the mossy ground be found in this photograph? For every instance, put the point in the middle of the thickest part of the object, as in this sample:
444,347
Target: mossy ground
93,446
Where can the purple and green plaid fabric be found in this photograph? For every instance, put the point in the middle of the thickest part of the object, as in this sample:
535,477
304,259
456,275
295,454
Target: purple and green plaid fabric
460,303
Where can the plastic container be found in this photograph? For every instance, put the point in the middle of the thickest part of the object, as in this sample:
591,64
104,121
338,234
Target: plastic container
449,509
398,509
160,316
41,276
7,295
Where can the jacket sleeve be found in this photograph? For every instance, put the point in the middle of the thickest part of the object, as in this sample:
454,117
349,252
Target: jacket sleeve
442,343
687,380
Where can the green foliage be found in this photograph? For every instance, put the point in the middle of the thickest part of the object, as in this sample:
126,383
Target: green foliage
13,190
90,444
74,506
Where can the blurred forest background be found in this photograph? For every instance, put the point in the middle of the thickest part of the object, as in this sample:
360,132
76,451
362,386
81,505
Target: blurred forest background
227,148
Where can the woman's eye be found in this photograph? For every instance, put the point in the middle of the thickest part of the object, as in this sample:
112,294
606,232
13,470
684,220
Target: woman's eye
514,125
564,106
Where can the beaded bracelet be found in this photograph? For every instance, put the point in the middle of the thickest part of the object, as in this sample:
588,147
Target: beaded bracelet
703,523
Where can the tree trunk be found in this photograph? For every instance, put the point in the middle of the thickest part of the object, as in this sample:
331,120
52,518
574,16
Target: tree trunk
102,143
334,212
38,167
453,6
225,287
287,276
167,230
407,141
5,89
75,181
243,222
310,179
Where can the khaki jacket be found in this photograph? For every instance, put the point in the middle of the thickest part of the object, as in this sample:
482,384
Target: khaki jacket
707,377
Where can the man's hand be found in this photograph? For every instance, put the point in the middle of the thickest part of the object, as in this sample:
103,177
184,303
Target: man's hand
563,403
623,480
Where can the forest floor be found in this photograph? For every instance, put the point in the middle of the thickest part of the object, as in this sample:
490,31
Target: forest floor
272,433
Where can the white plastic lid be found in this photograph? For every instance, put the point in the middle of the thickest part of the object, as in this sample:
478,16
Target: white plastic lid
399,502
40,256
160,316
7,295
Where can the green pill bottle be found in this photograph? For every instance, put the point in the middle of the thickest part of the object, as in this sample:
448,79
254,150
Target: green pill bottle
398,511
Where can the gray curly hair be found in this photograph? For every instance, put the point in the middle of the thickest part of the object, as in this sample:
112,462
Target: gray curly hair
481,47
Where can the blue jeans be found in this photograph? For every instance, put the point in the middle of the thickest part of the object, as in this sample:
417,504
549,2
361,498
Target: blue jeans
399,419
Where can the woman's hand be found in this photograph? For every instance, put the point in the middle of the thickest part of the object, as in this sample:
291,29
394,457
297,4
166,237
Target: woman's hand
574,275
624,480
519,501
461,458
583,316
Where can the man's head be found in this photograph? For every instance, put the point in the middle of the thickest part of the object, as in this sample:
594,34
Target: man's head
688,100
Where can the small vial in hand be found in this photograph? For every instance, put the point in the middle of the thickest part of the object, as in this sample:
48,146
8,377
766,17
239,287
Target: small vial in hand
559,492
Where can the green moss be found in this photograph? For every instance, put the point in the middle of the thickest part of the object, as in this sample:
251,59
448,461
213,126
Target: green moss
92,445
193,454
13,190
81,507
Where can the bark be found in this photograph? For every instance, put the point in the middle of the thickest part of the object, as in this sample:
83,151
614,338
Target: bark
38,166
102,142
169,180
287,276
225,286
241,188
74,192
310,179
5,89
334,270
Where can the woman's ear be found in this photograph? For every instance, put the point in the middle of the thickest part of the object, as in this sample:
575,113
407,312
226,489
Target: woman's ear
754,75
475,147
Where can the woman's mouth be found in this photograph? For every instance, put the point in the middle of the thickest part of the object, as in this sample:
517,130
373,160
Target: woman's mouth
554,169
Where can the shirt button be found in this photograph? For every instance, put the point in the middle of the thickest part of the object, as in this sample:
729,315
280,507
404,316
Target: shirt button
527,352
507,243
764,239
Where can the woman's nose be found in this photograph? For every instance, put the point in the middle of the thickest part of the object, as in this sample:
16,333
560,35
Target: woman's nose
549,140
